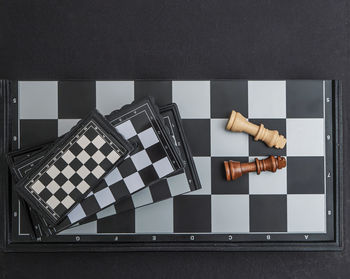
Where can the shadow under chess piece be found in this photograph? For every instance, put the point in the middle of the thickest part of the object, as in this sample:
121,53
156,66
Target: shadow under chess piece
235,170
238,123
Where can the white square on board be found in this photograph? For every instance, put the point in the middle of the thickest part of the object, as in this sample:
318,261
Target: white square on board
178,184
53,172
163,167
104,197
266,99
64,125
53,202
68,172
67,202
98,172
192,98
113,177
141,160
76,214
53,187
38,187
148,137
108,211
88,228
134,182
230,213
38,99
112,95
203,166
306,213
142,197
83,156
68,187
155,218
83,141
267,183
305,137
126,129
68,156
83,187
226,143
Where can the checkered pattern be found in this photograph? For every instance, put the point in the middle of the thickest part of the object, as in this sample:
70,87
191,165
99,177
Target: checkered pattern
294,204
152,160
166,188
72,172
161,190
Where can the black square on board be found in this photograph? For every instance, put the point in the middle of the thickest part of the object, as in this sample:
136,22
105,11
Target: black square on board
119,190
219,184
106,164
76,98
60,209
259,148
198,135
192,213
160,90
60,164
91,134
160,190
119,223
140,122
305,175
37,132
60,179
75,149
45,179
148,175
75,194
75,164
45,194
91,164
60,194
156,152
304,98
91,149
127,168
91,180
124,204
106,149
75,179
228,95
137,144
91,204
268,213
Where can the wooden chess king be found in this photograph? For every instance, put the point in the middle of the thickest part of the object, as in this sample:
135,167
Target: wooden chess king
238,123
235,170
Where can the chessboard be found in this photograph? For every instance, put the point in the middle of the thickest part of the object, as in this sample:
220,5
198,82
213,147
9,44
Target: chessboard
298,206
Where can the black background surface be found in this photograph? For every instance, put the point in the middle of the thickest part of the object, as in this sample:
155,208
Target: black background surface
178,40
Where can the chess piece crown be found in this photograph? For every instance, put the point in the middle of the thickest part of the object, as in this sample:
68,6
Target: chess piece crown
238,123
235,170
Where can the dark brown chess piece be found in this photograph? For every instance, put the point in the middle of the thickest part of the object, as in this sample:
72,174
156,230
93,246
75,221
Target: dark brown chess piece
235,170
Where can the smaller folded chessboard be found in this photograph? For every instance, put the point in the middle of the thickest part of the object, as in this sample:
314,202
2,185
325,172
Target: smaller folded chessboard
166,188
155,157
73,167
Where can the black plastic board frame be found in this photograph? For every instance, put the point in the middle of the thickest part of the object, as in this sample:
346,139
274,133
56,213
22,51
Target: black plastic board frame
73,166
186,242
167,189
190,177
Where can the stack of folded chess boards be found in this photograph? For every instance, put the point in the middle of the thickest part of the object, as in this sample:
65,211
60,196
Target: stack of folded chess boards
222,164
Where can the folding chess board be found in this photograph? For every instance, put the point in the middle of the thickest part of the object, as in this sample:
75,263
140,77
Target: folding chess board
296,208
